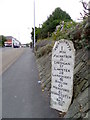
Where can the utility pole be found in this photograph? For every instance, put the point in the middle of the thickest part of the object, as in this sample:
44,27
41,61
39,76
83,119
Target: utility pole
89,12
34,23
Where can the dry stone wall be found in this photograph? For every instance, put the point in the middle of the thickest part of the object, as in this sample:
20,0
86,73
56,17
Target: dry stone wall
79,107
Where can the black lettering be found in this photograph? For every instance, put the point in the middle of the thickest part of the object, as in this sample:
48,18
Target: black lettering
62,52
55,68
61,76
55,87
61,65
61,73
62,56
66,90
60,85
60,98
64,83
56,81
61,79
54,93
61,47
61,59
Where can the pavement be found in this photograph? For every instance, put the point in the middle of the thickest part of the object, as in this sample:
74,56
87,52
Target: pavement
9,56
22,96
0,83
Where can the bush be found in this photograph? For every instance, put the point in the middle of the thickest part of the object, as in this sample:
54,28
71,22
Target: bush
44,50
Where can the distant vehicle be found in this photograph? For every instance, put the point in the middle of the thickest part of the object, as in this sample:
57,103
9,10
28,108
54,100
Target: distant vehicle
12,42
8,43
23,45
16,43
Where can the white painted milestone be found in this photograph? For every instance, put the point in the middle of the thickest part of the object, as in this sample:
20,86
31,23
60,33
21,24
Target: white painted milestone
63,57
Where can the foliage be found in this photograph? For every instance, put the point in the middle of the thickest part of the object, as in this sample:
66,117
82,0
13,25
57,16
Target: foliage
30,44
44,50
86,36
49,26
86,10
63,33
37,34
53,20
79,33
2,40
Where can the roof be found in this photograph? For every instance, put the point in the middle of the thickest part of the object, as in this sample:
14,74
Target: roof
9,37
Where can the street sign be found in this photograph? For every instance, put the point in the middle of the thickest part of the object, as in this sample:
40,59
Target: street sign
63,56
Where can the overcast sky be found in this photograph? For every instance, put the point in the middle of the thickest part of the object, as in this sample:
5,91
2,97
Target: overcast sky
17,16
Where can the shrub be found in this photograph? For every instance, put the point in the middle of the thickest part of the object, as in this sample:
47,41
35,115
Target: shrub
44,50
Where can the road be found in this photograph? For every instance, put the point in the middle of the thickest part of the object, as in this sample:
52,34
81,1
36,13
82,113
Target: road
22,96
9,55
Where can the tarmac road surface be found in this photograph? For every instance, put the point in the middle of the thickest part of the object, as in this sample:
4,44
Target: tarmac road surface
21,94
9,56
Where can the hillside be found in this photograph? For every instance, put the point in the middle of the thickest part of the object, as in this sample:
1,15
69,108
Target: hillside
48,27
79,34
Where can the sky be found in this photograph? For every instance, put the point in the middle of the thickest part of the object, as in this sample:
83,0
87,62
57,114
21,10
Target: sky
17,16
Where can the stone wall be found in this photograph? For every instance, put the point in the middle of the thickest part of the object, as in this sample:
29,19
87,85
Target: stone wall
79,107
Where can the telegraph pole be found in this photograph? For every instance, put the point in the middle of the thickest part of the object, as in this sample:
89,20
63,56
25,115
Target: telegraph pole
89,12
34,23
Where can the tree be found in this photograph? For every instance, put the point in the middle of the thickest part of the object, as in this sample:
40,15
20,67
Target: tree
37,34
49,26
53,20
2,40
86,32
86,10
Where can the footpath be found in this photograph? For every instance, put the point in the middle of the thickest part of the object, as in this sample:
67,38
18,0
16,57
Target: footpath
21,93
